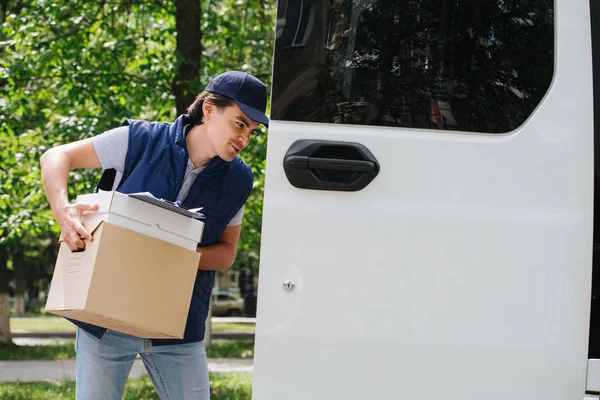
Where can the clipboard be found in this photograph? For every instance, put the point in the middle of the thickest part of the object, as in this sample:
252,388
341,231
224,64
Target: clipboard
166,204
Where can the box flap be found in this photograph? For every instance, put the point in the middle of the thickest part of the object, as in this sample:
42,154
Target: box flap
89,226
103,198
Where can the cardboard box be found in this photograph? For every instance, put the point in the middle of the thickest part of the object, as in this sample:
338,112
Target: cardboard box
138,273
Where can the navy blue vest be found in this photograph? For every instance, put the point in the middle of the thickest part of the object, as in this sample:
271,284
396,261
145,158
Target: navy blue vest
156,162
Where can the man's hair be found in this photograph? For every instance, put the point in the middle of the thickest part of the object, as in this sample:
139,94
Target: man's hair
195,110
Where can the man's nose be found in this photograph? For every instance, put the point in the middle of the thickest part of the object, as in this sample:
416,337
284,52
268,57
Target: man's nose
244,139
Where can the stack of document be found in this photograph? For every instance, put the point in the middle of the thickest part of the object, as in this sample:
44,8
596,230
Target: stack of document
168,205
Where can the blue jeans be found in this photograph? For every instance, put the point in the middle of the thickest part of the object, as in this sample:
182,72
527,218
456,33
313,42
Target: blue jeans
179,372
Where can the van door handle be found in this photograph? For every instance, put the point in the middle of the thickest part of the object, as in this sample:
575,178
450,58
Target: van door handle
327,165
330,164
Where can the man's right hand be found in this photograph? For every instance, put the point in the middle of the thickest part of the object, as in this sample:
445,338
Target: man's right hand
73,232
56,164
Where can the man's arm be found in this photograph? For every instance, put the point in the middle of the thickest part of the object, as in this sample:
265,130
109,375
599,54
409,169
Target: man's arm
221,255
56,164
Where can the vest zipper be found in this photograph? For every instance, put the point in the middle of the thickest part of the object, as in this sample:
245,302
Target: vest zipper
185,162
178,189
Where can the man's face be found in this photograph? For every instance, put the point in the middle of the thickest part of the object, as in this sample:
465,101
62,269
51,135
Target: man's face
229,130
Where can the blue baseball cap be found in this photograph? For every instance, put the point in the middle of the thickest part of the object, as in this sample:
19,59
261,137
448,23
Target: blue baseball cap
248,92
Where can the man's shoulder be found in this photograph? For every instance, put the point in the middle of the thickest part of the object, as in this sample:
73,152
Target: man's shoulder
144,131
243,172
241,164
145,125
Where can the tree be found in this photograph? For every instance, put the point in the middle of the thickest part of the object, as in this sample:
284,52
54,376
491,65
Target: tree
189,45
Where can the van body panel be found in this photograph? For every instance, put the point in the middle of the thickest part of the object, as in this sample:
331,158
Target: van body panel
462,271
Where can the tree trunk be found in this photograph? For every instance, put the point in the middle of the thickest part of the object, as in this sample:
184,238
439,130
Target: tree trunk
3,10
186,85
19,265
5,336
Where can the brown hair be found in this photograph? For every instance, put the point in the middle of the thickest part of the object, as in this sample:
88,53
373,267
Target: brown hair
195,110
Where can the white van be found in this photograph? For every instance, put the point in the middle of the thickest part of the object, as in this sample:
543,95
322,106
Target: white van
428,211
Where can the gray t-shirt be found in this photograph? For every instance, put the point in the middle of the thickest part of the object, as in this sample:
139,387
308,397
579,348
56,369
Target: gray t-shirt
111,148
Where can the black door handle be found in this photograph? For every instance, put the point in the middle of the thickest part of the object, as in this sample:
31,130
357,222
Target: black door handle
331,164
334,164
325,165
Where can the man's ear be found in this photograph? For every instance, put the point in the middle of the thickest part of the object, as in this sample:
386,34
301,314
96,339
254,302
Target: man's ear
207,109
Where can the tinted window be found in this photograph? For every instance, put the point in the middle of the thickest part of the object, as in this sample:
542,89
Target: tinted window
467,65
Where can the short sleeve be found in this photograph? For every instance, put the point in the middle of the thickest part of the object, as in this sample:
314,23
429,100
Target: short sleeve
237,218
111,148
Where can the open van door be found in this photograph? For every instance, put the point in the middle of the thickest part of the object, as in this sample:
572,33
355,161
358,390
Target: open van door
427,225
593,372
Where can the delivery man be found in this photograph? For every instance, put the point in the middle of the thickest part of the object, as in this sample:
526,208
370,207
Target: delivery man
193,160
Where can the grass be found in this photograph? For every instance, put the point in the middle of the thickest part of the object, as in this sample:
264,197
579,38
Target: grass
232,349
49,324
42,352
230,387
233,327
61,324
222,387
33,314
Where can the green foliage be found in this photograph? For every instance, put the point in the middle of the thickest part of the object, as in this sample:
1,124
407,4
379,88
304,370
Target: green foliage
140,389
38,390
22,199
71,70
45,352
233,327
249,243
233,349
229,387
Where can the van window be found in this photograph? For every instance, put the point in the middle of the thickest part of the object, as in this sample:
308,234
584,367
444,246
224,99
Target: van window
467,65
